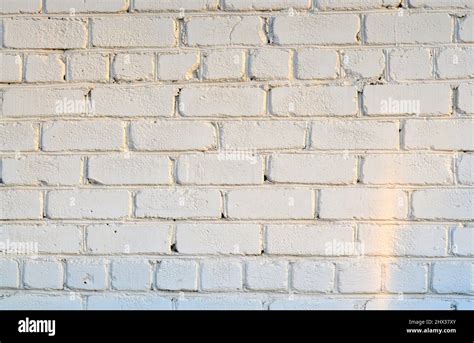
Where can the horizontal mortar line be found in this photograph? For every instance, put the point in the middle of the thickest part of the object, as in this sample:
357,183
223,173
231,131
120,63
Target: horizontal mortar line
229,186
259,152
255,221
246,292
271,295
263,186
270,118
258,221
300,152
243,13
373,258
340,82
204,48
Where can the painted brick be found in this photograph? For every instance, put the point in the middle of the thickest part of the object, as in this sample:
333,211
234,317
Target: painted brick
178,203
220,169
270,204
44,33
129,169
218,239
90,204
133,32
314,101
404,240
128,238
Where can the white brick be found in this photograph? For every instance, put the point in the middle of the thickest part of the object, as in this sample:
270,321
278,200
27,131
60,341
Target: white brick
463,241
79,6
88,67
263,135
10,274
466,34
325,30
70,135
356,4
86,274
228,64
308,239
40,302
129,169
177,275
453,277
131,275
314,101
27,102
405,27
51,238
178,67
359,277
42,273
133,67
126,101
363,203
222,101
465,169
220,169
218,239
40,170
266,5
406,277
42,33
354,135
209,31
305,168
410,64
45,68
221,275
451,134
441,3
178,203
10,70
270,204
363,63
313,276
271,64
316,64
87,204
403,240
113,32
20,204
266,275
407,169
174,5
455,63
465,96
20,6
443,204
9,132
146,238
172,136
128,302
407,99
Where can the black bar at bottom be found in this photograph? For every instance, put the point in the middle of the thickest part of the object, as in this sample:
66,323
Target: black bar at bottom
407,326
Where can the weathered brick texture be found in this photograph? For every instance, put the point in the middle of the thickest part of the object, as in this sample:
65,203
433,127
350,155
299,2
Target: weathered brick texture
236,154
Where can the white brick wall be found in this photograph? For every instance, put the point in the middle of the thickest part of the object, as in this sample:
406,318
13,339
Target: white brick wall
236,154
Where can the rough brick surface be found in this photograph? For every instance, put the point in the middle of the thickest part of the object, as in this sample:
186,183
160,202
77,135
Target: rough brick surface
236,154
